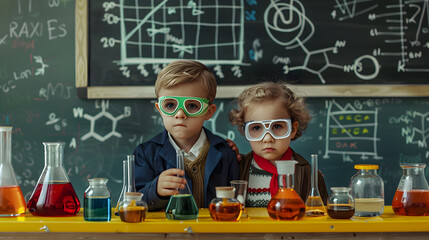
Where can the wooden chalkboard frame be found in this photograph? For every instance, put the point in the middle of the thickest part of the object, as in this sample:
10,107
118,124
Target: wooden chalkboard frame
84,90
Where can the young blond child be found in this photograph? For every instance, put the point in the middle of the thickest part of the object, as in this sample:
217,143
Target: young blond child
270,115
185,90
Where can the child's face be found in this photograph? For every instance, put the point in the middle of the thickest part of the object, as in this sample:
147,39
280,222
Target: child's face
181,126
269,147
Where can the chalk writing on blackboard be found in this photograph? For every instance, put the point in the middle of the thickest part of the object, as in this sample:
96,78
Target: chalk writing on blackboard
350,131
104,105
416,131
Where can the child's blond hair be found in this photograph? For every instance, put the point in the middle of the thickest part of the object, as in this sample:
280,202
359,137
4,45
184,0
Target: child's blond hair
268,91
184,71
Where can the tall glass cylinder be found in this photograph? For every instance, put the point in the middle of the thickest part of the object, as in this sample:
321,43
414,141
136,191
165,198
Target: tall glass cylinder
314,204
54,194
12,201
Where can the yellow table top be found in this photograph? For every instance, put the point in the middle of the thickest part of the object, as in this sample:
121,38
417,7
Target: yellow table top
257,221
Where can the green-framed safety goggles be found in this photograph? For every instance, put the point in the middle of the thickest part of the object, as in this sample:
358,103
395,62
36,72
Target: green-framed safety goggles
192,106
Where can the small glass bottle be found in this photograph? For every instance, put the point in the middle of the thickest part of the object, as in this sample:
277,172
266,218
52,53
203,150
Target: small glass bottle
412,195
133,209
12,201
54,194
314,204
182,206
97,201
128,181
225,207
286,204
367,191
341,204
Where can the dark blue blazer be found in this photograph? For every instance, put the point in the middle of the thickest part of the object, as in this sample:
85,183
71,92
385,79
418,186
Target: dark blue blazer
157,155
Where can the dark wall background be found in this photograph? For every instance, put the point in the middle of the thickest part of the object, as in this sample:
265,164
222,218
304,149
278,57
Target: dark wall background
38,98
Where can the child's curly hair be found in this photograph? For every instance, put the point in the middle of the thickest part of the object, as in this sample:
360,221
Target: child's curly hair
268,91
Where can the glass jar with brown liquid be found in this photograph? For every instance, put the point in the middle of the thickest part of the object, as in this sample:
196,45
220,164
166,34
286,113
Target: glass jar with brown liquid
225,207
132,209
286,204
341,204
412,195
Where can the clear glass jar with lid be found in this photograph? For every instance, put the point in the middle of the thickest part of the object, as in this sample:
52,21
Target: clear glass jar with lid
367,191
97,201
341,204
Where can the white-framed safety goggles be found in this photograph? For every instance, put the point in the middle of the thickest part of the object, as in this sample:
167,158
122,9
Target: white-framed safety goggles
278,128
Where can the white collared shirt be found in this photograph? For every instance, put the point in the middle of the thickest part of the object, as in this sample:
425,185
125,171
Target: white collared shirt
195,150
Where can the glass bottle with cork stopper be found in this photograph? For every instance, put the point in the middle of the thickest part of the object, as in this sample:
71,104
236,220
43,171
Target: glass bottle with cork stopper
133,209
286,204
225,207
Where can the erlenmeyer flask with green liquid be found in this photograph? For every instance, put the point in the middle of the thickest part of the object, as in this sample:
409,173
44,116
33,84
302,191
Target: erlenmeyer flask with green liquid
182,206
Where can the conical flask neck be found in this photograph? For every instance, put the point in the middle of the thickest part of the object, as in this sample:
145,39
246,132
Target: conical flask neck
286,181
5,144
54,154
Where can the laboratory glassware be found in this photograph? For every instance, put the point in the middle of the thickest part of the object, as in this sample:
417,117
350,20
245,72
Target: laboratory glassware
240,194
314,204
225,207
367,191
54,194
12,201
132,209
182,206
412,195
128,181
341,204
286,204
97,201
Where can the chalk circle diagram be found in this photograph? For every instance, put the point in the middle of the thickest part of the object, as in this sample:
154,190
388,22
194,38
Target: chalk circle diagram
286,23
366,67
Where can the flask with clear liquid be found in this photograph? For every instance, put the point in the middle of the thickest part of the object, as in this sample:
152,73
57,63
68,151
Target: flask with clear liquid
412,195
54,194
128,180
12,201
314,204
182,206
286,204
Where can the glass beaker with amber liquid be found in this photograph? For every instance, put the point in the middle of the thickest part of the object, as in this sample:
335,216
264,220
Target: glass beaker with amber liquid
54,194
412,195
286,204
12,201
225,207
182,206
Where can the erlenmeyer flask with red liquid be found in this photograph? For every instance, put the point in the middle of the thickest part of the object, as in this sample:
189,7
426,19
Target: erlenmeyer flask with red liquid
286,204
412,195
54,194
12,201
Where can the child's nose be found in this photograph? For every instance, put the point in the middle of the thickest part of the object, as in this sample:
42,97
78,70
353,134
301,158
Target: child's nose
268,137
181,114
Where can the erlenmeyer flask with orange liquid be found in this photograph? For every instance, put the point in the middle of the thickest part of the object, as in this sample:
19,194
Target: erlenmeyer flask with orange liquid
12,201
54,194
412,195
286,204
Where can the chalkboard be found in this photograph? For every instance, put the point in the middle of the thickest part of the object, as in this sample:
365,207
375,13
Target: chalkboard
38,98
324,43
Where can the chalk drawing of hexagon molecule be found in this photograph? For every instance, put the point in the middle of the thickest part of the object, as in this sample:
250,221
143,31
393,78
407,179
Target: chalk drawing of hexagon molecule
78,112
